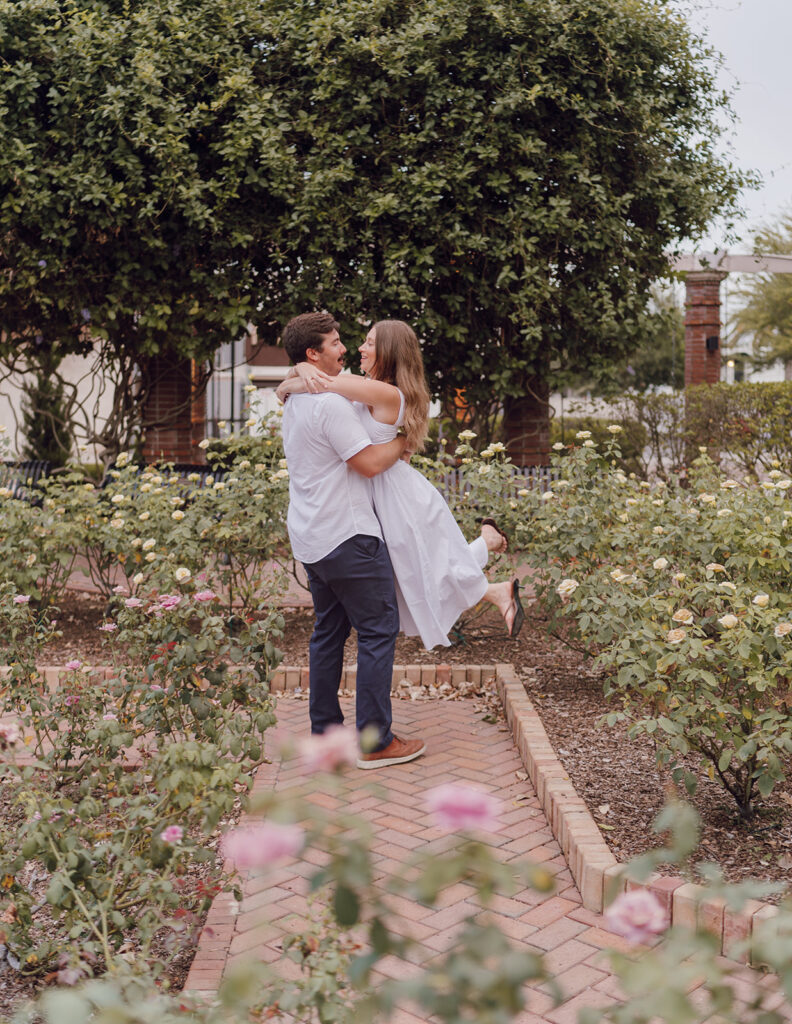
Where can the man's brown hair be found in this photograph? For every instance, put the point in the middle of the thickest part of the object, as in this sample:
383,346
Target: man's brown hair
306,331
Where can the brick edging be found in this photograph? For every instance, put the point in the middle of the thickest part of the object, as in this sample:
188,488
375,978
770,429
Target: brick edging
597,873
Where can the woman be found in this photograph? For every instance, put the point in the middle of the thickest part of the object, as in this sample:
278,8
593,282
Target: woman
438,574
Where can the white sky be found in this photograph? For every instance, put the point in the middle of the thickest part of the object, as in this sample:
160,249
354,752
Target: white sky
755,38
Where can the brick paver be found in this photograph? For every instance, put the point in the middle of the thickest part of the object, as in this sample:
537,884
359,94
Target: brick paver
462,747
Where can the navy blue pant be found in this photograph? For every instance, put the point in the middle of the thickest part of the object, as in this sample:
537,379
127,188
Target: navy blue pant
353,586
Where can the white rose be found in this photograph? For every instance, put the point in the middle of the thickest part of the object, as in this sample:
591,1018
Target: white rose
138,578
522,493
722,513
581,435
728,585
466,435
728,484
117,499
768,485
774,474
145,488
221,424
144,516
617,574
658,530
567,587
250,388
658,501
728,621
209,481
135,542
151,556
706,499
558,446
761,600
631,501
219,486
177,501
782,629
244,464
149,544
675,636
205,443
614,428
683,615
177,515
589,444
783,485
715,567
660,563
182,574
680,577
548,496
117,523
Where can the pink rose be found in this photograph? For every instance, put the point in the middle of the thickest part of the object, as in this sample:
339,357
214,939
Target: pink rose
462,807
110,717
73,666
258,846
108,627
155,688
168,601
172,834
22,599
205,595
133,602
119,590
637,915
71,700
331,750
9,733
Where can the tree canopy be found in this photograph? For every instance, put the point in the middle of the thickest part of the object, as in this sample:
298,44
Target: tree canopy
767,313
508,176
505,175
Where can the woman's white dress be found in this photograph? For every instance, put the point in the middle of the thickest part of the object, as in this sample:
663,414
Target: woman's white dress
437,574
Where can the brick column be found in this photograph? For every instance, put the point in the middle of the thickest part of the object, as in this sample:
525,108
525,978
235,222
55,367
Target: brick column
174,416
526,423
702,321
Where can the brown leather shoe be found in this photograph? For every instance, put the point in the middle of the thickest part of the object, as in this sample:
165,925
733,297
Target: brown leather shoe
397,752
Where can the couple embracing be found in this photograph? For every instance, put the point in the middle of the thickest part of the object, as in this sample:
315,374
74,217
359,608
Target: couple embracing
380,546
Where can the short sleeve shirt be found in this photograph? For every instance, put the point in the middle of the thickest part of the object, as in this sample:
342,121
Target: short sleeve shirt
328,501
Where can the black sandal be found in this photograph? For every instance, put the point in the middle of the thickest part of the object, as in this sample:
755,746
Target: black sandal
491,522
519,612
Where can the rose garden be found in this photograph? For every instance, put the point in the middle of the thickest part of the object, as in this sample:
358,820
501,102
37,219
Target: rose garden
600,827
124,780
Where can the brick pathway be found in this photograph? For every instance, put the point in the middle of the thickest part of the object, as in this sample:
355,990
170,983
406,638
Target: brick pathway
461,748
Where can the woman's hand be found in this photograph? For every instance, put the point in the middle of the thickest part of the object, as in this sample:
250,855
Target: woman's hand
315,380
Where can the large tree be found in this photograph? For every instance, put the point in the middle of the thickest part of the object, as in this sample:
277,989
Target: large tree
140,160
766,316
507,175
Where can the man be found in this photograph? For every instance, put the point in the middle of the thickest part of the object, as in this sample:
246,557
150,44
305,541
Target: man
335,533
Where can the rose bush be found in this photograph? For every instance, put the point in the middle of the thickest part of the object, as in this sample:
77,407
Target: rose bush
681,592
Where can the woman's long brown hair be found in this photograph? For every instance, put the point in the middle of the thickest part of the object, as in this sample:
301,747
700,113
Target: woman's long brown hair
399,362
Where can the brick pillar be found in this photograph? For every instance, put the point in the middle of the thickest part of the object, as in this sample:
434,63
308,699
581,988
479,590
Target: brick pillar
702,321
174,416
526,423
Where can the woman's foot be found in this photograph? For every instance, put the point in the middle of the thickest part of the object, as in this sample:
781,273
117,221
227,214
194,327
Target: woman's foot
506,598
493,537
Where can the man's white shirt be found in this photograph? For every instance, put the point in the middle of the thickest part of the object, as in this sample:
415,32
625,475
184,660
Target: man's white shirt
328,502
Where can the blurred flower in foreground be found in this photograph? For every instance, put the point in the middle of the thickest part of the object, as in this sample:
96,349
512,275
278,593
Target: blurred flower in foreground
258,846
638,916
462,807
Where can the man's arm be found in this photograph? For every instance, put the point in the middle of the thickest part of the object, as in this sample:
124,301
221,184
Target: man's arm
377,457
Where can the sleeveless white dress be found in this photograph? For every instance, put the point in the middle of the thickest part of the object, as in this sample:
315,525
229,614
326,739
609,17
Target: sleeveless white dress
437,574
